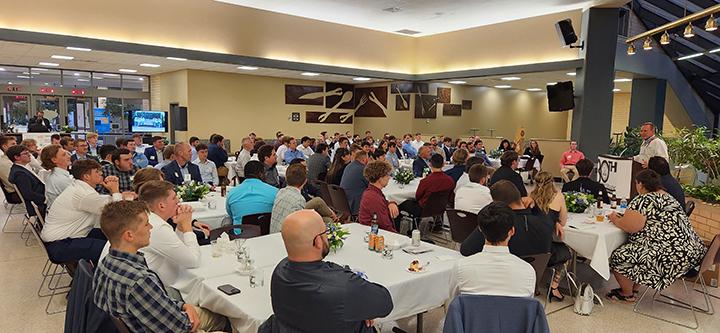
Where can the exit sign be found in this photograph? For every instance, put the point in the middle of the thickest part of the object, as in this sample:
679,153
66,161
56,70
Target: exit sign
13,89
77,92
47,90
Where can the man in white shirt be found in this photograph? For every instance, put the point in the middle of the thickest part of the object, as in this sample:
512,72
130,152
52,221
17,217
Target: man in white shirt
280,151
475,195
418,142
169,249
71,228
305,146
465,178
651,146
244,156
208,171
57,160
495,271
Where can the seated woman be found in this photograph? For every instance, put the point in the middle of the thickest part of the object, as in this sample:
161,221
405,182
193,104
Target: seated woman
533,150
341,159
552,203
662,245
504,145
373,200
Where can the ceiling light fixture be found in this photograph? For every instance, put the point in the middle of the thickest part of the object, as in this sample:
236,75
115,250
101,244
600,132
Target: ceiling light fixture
457,82
49,64
510,78
689,31
124,70
361,79
39,69
63,57
176,58
622,80
665,38
571,74
534,89
141,79
631,49
84,49
710,24
647,44
76,74
695,55
503,86
150,65
2,69
83,80
111,74
247,68
309,74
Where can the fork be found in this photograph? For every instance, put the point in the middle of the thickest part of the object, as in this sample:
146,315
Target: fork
362,102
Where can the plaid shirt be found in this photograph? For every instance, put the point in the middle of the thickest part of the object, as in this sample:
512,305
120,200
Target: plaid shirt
125,178
125,287
287,201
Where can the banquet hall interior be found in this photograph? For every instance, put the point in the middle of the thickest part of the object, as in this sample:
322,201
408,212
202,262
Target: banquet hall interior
438,144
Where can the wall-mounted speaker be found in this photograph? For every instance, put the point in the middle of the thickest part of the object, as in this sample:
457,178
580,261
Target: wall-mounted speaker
566,32
561,96
179,117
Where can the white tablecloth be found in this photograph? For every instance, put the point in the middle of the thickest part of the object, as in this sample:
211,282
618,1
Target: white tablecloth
494,162
232,164
411,293
395,192
522,162
595,241
204,214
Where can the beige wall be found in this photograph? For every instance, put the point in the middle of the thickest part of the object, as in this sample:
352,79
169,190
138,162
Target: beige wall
169,88
620,112
213,26
675,115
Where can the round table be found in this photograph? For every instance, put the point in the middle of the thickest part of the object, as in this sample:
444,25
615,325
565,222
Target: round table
204,214
399,193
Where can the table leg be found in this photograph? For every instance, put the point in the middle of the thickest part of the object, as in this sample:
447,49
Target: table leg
420,322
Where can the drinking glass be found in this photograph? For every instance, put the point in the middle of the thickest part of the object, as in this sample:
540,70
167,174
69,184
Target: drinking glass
257,278
216,250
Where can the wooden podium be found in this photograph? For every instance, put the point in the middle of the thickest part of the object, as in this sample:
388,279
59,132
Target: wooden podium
618,175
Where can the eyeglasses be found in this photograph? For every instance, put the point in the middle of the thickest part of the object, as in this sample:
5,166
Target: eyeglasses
320,234
25,153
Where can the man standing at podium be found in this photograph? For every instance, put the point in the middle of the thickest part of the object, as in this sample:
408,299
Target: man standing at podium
651,146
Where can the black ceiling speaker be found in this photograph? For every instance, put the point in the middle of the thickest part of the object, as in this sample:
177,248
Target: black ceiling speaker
561,96
566,33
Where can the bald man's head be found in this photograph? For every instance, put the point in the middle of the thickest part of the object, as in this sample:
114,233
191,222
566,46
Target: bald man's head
304,237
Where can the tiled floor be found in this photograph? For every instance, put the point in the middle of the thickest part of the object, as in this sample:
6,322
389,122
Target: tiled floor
23,311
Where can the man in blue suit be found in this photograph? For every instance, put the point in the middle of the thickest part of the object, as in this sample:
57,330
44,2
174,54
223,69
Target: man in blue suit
154,153
421,162
176,171
29,185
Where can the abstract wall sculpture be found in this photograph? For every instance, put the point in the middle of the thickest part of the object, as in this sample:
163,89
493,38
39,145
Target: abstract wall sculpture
467,104
315,117
409,88
402,102
371,101
303,95
425,106
452,110
337,93
443,95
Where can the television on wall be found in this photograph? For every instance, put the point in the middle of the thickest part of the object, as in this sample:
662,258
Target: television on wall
148,122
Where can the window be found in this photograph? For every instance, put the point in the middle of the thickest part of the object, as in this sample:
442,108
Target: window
15,112
135,83
14,75
107,81
75,79
45,77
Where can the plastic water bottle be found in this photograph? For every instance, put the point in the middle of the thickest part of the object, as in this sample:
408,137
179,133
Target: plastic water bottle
374,224
623,205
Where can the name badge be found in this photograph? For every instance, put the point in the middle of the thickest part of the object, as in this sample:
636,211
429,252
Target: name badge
176,175
152,157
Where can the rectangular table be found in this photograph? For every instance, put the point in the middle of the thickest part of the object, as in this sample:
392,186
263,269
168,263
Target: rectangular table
595,241
252,306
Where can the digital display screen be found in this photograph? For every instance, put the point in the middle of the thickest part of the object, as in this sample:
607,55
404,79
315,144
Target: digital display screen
148,121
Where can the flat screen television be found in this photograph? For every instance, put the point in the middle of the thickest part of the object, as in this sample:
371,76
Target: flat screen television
148,122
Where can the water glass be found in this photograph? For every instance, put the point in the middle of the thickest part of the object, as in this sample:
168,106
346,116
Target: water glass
212,204
187,178
257,278
216,250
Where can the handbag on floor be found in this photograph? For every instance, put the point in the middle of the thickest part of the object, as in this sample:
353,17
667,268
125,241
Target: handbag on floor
584,300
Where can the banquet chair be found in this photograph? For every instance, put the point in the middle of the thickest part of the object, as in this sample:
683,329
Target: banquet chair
462,224
58,268
495,314
324,191
712,257
26,220
261,220
340,203
247,231
16,205
539,263
222,174
689,207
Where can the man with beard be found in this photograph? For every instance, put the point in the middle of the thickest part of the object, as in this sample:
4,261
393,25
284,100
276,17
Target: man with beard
312,295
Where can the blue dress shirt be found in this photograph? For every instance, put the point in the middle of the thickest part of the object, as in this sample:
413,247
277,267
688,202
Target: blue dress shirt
253,196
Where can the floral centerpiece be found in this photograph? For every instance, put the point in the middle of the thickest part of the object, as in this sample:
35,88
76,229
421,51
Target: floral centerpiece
336,235
404,176
578,202
495,153
68,129
192,191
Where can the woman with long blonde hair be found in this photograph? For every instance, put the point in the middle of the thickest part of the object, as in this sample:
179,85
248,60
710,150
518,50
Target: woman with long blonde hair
552,203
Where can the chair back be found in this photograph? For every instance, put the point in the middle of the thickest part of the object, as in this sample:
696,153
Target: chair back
689,207
539,263
712,256
339,200
11,198
40,218
436,204
261,220
462,224
247,231
22,199
324,191
120,325
495,314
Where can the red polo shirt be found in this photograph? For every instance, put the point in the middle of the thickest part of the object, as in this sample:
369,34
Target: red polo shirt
434,182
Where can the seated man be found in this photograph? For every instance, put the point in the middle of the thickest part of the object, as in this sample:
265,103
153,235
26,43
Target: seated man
569,160
354,182
506,171
208,171
181,170
30,186
169,250
458,159
671,185
70,232
465,178
266,155
292,151
216,150
318,163
584,184
408,148
138,159
436,181
7,141
373,203
252,196
312,295
122,168
105,153
154,154
290,199
422,161
57,160
168,155
474,195
81,151
124,286
495,271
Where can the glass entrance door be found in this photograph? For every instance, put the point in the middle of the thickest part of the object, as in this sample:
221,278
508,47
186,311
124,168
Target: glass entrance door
50,106
15,113
78,112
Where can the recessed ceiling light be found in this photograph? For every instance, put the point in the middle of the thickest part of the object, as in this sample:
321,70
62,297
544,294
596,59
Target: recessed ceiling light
247,68
38,69
49,64
510,78
616,89
33,73
9,82
361,79
690,56
310,74
46,83
623,80
84,49
534,89
111,74
150,65
76,74
503,86
457,82
63,57
2,69
141,79
176,58
124,70
571,73
23,77
551,83
83,80
98,78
